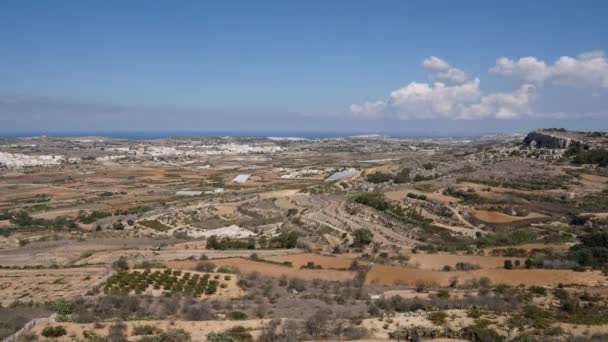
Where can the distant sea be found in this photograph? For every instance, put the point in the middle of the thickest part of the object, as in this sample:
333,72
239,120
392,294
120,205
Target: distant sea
236,134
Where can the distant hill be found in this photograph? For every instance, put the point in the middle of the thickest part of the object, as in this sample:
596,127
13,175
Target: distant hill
560,138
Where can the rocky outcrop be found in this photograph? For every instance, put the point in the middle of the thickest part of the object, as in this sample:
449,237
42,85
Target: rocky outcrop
542,139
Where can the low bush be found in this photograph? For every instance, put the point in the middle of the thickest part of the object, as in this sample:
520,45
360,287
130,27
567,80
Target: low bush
53,332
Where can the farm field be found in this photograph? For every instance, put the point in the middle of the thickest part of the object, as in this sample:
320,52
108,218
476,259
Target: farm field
391,275
155,240
40,285
438,261
271,270
496,217
340,262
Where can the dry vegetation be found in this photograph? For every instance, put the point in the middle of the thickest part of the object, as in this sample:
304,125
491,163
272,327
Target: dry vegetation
488,240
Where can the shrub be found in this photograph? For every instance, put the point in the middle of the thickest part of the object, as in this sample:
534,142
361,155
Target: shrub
598,157
362,237
467,266
237,315
378,177
121,264
284,240
402,177
53,332
204,267
538,290
175,335
479,334
235,334
437,317
144,330
443,294
117,332
61,306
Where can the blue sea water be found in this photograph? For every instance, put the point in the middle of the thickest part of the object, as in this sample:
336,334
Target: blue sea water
191,134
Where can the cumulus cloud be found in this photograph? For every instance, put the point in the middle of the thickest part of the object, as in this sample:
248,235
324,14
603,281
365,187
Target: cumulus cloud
459,97
587,70
527,68
444,71
435,63
503,105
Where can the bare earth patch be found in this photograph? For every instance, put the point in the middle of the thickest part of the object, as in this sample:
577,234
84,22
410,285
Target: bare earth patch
298,260
539,277
498,217
437,261
248,266
46,284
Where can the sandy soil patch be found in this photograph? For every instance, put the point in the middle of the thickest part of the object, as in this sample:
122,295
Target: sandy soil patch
456,229
539,277
48,215
285,203
437,261
246,265
279,193
584,330
594,178
498,217
480,189
232,231
406,320
225,210
596,215
47,284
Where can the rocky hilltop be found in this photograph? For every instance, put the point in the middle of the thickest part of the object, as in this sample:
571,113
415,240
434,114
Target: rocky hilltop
557,139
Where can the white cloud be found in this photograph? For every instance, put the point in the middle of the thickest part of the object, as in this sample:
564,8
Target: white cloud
437,100
435,63
502,105
587,70
368,109
527,68
460,98
453,75
444,71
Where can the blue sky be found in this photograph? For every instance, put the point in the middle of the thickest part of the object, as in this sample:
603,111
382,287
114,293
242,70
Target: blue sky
302,66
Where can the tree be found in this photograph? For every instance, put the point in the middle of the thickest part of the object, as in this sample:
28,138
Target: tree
378,177
121,264
402,177
508,264
362,237
212,242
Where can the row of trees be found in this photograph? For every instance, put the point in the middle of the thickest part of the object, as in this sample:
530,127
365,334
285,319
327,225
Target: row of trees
283,240
402,176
